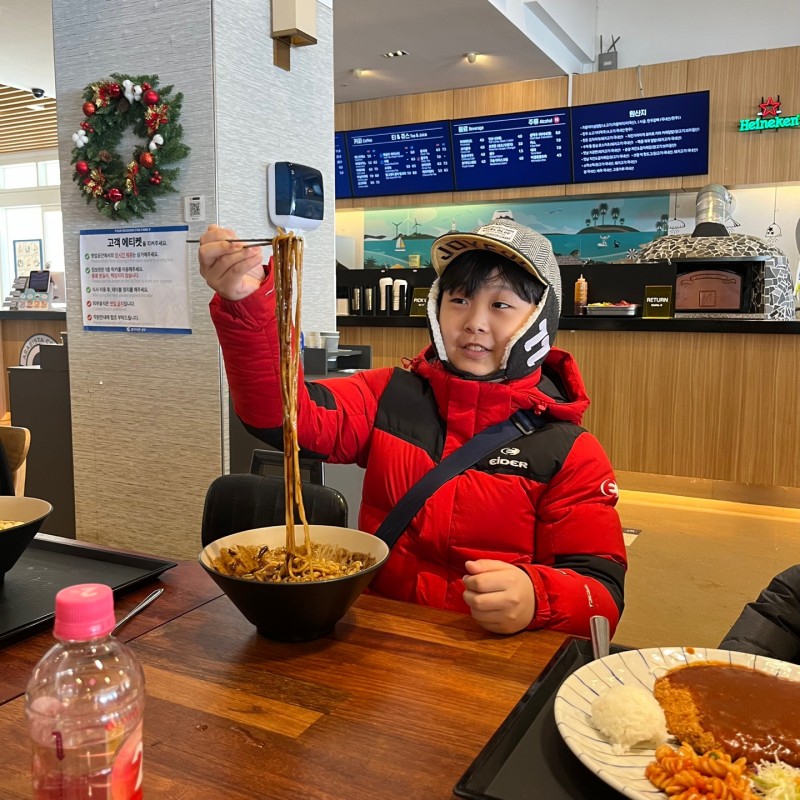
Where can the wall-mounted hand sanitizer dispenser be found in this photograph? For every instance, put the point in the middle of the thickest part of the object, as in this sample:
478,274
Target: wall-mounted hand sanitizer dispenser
296,197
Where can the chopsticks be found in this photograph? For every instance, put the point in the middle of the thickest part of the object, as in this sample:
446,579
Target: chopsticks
253,242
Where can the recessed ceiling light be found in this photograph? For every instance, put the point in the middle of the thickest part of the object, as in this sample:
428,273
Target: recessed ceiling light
36,107
395,54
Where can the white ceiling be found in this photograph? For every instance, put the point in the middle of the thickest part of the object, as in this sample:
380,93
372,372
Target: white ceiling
436,33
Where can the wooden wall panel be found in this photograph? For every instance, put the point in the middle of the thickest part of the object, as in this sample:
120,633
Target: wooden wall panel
508,98
737,83
426,107
623,84
694,404
389,345
697,405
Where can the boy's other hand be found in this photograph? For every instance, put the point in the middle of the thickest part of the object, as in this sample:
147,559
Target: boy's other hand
232,270
500,595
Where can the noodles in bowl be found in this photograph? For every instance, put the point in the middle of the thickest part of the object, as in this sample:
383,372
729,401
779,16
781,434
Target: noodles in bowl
298,610
290,590
262,563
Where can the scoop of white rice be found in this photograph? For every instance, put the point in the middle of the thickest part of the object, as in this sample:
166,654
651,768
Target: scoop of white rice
628,716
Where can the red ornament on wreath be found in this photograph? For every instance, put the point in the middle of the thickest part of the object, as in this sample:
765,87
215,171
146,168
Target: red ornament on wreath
131,195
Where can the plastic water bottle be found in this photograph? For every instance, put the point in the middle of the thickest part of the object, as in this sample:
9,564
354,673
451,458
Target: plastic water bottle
84,704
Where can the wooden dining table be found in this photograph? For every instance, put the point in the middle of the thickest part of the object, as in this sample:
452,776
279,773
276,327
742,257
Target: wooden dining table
395,703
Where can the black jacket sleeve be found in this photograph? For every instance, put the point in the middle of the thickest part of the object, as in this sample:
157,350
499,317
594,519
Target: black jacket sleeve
770,626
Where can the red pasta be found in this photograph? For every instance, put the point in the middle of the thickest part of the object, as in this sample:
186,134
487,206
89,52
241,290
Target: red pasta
682,774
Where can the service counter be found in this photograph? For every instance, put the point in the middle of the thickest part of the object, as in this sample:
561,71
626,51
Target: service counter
19,332
701,407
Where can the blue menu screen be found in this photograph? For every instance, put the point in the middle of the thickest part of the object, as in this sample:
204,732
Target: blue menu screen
530,149
343,190
654,137
403,159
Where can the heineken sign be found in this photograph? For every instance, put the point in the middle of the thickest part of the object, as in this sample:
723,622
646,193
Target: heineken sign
770,116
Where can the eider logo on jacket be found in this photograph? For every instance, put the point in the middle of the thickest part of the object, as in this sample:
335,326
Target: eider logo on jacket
498,461
510,451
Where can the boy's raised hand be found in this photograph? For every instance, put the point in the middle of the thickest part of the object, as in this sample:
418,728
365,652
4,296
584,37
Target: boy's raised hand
232,270
500,595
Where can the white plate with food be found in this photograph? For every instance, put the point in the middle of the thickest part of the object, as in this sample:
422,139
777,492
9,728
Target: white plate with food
622,766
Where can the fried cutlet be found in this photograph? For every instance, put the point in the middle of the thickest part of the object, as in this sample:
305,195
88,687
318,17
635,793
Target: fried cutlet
741,710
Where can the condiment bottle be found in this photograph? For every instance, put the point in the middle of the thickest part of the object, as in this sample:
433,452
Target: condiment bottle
84,704
581,296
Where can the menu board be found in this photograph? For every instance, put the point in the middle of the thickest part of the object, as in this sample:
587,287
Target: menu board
343,190
530,149
653,137
402,159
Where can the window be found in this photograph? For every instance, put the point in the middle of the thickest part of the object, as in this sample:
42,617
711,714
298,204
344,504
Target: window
19,176
49,174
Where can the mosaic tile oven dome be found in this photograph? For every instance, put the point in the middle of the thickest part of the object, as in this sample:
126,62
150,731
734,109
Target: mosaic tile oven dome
772,296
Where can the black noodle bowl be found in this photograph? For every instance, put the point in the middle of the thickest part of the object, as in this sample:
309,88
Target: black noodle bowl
298,610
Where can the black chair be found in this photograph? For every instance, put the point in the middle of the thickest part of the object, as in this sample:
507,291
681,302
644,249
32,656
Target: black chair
241,502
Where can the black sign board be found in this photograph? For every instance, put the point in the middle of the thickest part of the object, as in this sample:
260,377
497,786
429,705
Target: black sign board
530,149
402,159
653,137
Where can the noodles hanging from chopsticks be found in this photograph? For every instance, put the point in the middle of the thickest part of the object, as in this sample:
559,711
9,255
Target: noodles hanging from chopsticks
309,561
288,263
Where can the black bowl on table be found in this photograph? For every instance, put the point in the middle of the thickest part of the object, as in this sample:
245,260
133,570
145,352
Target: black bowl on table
29,513
301,611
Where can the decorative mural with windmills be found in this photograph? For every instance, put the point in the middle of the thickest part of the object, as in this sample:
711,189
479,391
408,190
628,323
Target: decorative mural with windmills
586,229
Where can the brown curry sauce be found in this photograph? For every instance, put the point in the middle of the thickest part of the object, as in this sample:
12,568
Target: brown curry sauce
750,713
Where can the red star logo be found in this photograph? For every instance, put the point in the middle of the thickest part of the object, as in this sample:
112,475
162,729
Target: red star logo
771,108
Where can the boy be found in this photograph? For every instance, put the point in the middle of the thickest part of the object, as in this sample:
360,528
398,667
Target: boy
528,537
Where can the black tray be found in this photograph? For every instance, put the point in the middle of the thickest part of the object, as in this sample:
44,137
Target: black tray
526,759
27,596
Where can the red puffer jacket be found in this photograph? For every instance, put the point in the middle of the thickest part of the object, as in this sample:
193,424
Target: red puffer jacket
546,503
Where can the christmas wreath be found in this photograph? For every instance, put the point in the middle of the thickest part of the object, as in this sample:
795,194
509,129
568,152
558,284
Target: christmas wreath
122,189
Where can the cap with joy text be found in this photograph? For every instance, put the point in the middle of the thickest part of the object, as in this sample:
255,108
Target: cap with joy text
518,243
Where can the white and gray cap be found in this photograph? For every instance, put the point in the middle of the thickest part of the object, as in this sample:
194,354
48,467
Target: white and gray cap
533,252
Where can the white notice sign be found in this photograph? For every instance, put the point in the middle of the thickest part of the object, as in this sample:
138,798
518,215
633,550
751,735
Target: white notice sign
135,280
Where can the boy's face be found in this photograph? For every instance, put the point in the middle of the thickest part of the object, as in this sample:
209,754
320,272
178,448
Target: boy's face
476,330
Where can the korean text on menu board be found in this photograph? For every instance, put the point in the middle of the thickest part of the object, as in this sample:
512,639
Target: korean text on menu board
343,190
404,159
135,280
654,137
530,149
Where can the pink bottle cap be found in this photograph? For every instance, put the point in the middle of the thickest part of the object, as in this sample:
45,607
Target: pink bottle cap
85,611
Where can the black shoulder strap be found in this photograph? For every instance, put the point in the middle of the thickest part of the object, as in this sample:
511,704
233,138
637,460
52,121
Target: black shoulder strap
479,446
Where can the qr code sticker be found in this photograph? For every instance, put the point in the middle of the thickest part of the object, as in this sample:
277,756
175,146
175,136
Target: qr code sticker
194,209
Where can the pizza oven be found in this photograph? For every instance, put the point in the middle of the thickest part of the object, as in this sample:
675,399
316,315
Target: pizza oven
720,273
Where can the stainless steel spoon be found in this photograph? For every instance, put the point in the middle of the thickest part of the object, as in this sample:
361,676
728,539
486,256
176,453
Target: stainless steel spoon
598,627
137,608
